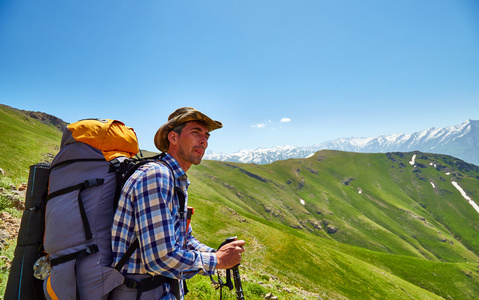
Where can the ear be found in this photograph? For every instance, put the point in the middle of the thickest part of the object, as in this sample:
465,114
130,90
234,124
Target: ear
173,137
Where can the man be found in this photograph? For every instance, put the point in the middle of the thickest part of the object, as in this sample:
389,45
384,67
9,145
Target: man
149,210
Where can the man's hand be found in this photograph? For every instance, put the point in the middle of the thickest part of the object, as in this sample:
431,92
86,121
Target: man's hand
229,255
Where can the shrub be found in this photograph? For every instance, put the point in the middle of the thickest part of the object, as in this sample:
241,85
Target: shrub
255,289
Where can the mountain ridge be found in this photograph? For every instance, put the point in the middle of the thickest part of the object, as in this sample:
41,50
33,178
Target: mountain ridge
44,118
461,141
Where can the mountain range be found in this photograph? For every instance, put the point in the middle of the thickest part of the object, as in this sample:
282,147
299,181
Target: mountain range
461,141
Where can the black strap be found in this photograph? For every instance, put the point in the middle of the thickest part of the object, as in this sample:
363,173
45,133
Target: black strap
140,163
81,187
64,191
229,283
136,243
125,169
181,200
178,191
145,284
86,184
121,170
129,252
151,283
86,224
156,159
75,255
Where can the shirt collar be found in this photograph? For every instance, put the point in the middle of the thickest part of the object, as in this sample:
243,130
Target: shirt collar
178,172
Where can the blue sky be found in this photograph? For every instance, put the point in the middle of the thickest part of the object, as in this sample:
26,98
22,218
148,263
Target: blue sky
274,72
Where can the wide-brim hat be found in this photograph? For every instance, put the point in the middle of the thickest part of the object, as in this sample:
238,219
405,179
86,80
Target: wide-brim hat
179,116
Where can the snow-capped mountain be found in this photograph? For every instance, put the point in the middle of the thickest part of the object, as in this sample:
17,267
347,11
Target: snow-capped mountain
461,141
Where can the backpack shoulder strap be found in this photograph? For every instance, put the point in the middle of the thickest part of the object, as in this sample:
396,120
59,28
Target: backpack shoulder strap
125,169
129,252
159,159
181,199
179,192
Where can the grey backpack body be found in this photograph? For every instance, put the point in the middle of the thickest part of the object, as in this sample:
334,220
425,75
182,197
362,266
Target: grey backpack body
78,218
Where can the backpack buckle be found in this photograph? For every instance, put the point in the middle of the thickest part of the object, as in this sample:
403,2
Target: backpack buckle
93,182
92,249
115,163
131,284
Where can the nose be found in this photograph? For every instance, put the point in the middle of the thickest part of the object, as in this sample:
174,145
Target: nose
204,140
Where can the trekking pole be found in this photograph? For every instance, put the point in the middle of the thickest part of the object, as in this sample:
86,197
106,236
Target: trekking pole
238,286
236,276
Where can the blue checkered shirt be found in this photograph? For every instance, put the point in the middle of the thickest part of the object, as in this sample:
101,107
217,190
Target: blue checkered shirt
148,209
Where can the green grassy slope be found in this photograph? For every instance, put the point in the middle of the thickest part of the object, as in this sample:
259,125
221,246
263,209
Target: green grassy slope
24,141
400,236
377,201
333,270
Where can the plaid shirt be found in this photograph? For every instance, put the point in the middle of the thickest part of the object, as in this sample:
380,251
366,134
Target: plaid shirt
148,209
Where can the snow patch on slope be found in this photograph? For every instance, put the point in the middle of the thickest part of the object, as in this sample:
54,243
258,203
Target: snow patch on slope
463,193
413,160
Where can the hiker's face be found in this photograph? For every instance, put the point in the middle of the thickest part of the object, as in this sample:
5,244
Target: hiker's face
192,142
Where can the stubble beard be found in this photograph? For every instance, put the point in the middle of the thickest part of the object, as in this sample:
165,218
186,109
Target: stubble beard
189,157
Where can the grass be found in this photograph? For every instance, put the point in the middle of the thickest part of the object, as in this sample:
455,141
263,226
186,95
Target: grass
399,238
8,252
8,249
388,244
255,286
329,268
25,141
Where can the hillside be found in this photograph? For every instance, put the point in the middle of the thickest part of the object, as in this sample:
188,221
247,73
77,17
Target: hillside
358,226
25,140
339,225
377,201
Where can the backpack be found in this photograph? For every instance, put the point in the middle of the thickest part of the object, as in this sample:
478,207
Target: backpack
69,213
83,184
